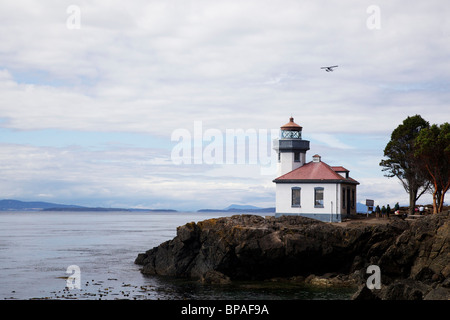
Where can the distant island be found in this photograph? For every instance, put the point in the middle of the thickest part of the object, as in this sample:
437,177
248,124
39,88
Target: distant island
17,205
240,208
107,209
360,208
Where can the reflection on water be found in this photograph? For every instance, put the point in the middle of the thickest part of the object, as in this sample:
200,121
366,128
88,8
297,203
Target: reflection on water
36,248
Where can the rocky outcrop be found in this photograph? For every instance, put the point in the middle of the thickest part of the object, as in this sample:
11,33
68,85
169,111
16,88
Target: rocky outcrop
253,247
416,265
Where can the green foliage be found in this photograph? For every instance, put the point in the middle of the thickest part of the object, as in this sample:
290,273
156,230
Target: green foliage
419,156
400,149
434,142
433,149
401,161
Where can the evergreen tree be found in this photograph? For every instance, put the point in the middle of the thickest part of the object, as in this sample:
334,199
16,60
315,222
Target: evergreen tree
402,161
433,149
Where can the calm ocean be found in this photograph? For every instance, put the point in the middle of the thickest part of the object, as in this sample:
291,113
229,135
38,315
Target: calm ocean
36,248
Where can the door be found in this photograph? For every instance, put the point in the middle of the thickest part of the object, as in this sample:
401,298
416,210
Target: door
347,201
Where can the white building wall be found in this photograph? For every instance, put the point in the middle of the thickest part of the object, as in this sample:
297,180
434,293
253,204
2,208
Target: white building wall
331,199
287,163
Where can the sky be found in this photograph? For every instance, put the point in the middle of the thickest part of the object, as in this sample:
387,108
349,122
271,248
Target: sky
97,98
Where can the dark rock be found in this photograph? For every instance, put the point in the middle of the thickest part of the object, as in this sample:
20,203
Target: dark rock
404,289
331,280
439,293
446,283
253,247
364,293
417,264
215,277
413,256
420,251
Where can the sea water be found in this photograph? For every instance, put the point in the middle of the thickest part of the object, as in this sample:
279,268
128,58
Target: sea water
40,249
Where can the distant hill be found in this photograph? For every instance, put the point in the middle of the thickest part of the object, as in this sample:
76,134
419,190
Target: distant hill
240,208
16,205
360,208
9,204
107,209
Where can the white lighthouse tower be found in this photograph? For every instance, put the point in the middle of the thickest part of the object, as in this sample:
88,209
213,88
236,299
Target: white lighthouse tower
314,189
290,147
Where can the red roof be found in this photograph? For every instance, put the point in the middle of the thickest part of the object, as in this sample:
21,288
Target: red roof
339,169
291,125
315,171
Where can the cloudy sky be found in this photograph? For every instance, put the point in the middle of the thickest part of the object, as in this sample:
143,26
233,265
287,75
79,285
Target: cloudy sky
92,93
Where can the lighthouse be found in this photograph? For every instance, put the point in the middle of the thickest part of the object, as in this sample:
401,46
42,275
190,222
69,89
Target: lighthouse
291,148
311,189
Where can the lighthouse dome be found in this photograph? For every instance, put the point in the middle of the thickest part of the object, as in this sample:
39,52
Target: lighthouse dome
291,130
291,125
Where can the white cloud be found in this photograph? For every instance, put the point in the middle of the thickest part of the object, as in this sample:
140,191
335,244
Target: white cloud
124,175
154,66
386,191
330,140
139,60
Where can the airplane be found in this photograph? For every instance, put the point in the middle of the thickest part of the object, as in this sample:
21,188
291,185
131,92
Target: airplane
329,69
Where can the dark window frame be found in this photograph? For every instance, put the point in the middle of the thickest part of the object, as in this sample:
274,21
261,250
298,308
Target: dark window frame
297,203
319,203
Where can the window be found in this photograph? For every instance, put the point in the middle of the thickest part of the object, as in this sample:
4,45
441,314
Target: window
296,156
318,197
295,202
291,134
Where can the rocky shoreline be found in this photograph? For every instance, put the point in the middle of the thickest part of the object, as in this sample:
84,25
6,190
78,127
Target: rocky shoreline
413,256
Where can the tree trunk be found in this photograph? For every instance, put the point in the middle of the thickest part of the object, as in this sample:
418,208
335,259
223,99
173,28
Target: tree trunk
435,201
412,201
441,200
